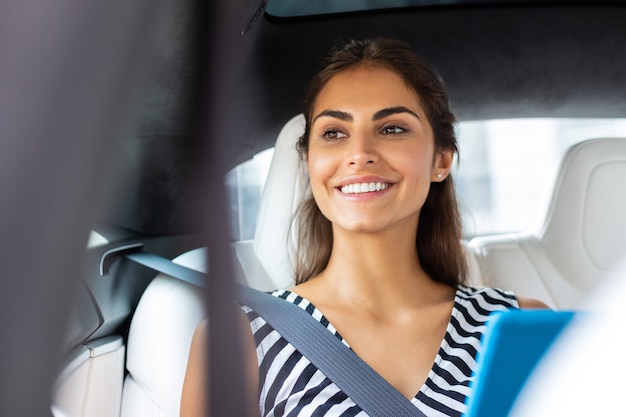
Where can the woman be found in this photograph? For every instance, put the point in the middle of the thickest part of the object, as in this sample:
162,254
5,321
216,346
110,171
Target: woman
379,257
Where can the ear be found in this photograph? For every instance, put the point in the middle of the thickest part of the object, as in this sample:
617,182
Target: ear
442,165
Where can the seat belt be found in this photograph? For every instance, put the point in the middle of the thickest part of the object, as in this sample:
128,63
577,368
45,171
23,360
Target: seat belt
370,391
340,364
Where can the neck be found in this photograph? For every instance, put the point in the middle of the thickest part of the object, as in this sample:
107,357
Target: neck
377,266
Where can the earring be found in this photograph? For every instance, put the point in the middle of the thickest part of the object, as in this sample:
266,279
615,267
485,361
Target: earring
439,175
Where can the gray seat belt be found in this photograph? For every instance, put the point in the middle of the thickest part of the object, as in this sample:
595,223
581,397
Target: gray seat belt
340,364
371,392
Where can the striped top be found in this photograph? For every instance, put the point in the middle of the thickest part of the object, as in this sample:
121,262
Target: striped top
290,385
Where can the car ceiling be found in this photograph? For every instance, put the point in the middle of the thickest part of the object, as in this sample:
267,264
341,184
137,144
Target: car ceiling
498,61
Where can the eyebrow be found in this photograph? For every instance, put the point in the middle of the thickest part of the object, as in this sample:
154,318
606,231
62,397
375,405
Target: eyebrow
341,115
380,114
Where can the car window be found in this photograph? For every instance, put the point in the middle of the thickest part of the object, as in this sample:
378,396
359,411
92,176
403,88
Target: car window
244,184
508,167
504,178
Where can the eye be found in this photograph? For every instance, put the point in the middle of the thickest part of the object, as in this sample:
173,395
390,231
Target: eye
333,134
393,130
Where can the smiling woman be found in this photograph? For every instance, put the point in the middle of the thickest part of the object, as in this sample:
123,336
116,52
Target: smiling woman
380,136
380,262
422,107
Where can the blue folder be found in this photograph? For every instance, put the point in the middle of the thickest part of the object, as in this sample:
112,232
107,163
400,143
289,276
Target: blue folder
513,344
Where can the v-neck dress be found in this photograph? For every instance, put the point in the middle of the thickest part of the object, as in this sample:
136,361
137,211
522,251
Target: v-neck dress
290,385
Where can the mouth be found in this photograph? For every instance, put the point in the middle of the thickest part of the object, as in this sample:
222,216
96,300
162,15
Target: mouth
364,187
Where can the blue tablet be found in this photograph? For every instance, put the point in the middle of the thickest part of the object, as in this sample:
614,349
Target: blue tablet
513,344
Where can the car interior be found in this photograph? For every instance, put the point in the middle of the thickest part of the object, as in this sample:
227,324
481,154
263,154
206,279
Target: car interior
215,85
581,238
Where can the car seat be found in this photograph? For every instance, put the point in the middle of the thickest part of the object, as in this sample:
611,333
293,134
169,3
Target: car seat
169,310
158,342
265,260
583,236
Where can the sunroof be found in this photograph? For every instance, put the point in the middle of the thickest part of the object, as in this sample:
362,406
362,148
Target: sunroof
295,8
301,8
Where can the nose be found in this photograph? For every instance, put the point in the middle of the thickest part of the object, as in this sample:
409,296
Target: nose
362,150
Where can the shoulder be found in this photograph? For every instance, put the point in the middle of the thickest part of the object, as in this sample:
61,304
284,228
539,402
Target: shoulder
532,303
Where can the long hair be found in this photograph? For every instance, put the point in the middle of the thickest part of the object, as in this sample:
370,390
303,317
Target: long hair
439,232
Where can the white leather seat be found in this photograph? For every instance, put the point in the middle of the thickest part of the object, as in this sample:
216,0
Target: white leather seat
158,343
90,384
583,236
265,260
169,310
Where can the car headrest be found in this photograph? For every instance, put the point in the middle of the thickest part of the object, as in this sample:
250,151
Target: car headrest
585,230
286,183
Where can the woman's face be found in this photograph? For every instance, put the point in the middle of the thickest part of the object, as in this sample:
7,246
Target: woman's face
371,155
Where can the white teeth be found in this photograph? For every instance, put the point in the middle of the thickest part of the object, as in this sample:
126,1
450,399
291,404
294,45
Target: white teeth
364,187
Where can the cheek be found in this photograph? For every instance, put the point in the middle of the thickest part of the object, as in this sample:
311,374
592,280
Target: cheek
320,168
320,172
415,164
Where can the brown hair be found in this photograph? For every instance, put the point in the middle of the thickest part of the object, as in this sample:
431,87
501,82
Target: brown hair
439,231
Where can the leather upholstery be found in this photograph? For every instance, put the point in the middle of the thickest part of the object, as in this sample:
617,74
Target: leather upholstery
170,310
266,260
158,343
583,236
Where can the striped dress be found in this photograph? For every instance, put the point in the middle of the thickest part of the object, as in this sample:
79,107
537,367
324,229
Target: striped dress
291,386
